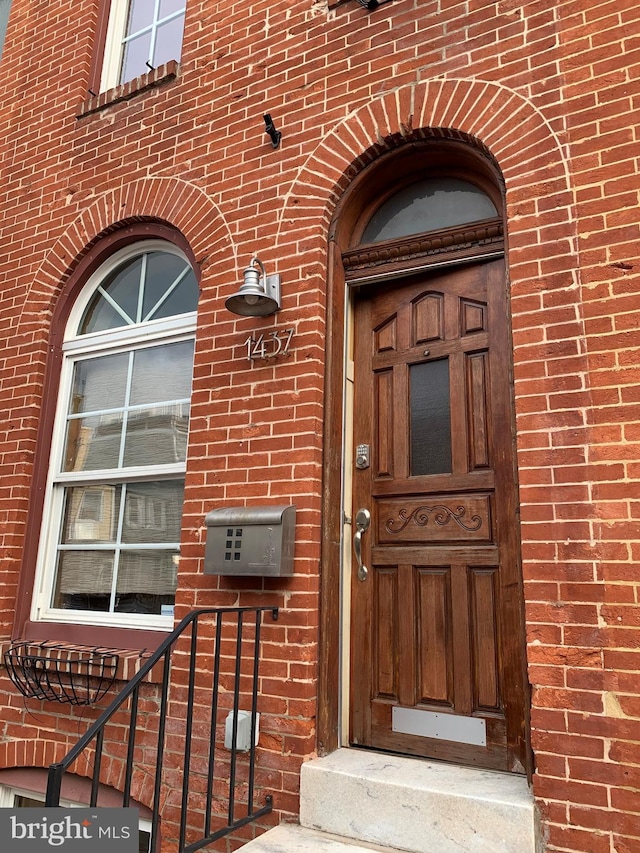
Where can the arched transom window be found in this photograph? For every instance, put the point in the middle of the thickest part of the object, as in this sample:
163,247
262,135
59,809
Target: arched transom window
411,218
112,525
428,205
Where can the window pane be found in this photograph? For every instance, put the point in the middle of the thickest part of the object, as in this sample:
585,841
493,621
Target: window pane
122,287
426,206
162,373
146,576
157,436
146,581
152,512
5,6
83,580
100,315
136,54
91,514
144,841
168,7
22,802
153,436
99,383
170,287
430,418
168,41
140,15
93,443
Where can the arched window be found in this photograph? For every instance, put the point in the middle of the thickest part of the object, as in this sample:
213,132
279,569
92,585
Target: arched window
428,205
112,519
412,214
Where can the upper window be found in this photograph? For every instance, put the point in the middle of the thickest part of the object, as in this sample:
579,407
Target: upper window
428,205
112,521
5,7
141,35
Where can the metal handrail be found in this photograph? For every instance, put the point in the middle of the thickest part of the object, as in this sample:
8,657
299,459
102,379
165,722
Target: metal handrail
131,689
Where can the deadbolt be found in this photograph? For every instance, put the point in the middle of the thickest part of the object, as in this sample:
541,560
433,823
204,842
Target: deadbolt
362,456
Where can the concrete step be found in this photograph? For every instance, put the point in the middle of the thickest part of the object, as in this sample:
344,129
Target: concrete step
415,805
288,838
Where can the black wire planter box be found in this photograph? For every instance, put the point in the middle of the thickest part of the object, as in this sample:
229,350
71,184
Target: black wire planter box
58,672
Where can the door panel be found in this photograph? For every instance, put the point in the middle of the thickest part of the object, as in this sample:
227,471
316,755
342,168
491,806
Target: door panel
437,623
434,641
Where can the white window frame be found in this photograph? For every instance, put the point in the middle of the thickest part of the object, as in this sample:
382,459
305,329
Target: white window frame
174,329
116,37
9,792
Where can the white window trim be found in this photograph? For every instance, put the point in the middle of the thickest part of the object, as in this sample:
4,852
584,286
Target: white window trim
113,44
172,330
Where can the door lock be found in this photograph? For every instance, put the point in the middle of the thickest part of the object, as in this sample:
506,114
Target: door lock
362,456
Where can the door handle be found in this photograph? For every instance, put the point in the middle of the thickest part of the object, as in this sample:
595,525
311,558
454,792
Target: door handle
363,520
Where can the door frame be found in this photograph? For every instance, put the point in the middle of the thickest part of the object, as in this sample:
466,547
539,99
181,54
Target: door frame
347,267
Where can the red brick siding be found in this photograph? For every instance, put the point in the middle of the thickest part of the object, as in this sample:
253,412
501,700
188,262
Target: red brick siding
551,90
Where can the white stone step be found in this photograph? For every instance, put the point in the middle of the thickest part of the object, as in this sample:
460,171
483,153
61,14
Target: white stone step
415,805
288,838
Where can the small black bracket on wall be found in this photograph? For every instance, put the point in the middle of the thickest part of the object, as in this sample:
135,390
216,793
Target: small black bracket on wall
270,129
371,5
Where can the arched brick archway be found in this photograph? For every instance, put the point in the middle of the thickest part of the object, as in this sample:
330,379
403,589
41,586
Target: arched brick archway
170,200
517,136
542,260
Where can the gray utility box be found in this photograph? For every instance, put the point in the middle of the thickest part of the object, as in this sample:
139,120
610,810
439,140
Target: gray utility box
250,540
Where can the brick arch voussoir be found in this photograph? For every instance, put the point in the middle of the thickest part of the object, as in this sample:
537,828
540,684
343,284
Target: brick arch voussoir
31,753
42,753
169,200
497,120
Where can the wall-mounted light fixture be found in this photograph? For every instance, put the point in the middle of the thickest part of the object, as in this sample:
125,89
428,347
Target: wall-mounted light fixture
259,294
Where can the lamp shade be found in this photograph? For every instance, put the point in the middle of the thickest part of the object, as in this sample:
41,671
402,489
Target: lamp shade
259,294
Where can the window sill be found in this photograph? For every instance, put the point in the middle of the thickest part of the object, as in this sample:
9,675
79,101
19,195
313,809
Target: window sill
158,77
132,645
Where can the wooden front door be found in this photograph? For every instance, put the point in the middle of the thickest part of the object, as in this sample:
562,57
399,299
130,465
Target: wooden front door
437,646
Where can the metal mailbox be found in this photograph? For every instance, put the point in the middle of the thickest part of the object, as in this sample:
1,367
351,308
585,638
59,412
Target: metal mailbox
250,540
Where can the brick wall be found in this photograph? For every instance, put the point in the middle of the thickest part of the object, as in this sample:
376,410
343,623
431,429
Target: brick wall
551,90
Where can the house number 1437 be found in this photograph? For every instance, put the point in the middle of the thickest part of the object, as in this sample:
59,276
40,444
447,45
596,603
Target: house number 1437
269,346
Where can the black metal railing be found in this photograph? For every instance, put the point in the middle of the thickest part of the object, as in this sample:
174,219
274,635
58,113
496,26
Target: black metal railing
218,650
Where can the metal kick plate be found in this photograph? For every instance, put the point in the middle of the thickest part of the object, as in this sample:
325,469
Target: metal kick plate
453,727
